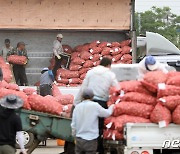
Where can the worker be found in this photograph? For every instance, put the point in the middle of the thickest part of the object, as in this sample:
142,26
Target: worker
1,75
7,48
46,81
100,79
11,126
59,54
85,123
149,63
19,70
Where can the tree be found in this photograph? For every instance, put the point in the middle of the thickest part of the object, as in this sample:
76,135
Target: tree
159,20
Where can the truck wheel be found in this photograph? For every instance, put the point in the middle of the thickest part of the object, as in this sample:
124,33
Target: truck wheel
28,140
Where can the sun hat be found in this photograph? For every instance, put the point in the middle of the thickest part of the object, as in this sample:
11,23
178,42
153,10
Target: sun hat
11,102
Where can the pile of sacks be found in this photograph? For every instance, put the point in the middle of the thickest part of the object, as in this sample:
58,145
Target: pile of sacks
58,104
155,99
84,57
7,74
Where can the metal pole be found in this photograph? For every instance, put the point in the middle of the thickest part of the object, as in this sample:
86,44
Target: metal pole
133,32
139,22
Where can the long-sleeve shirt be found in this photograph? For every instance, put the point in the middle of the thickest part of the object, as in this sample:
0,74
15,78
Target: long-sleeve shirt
47,78
85,119
5,51
142,68
57,48
99,79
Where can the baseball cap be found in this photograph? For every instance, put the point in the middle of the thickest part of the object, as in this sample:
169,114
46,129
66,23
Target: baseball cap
150,61
60,35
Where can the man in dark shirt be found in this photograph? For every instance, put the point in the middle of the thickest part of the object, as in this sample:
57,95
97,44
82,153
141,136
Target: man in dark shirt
19,70
10,125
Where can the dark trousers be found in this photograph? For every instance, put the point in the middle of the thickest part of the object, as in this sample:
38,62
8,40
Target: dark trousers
100,148
85,146
45,90
58,63
20,75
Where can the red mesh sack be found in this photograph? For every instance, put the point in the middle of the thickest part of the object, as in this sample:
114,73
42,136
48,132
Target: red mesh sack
116,58
74,67
172,74
126,50
44,104
115,44
161,114
74,81
125,43
74,55
106,51
66,99
55,91
95,50
104,44
83,70
88,64
126,57
3,84
61,80
176,115
133,86
7,75
116,51
86,55
124,119
67,49
96,63
168,90
66,74
109,122
174,81
94,44
139,97
109,134
78,61
153,78
133,108
85,47
15,59
67,108
96,57
29,91
13,86
128,62
82,77
171,102
78,48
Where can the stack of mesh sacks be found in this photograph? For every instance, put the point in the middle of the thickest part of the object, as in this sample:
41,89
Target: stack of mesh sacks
7,74
58,104
85,57
155,99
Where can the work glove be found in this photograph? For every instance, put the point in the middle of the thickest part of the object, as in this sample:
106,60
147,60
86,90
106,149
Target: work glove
59,57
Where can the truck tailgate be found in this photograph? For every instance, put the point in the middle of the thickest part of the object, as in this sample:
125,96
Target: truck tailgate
149,135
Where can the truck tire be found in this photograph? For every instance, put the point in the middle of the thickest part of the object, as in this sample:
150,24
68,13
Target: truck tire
28,140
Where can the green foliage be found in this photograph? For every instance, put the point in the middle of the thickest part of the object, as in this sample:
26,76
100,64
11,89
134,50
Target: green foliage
159,20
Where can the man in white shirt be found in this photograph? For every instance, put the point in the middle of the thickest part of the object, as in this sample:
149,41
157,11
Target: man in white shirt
85,123
59,54
149,63
99,79
6,49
